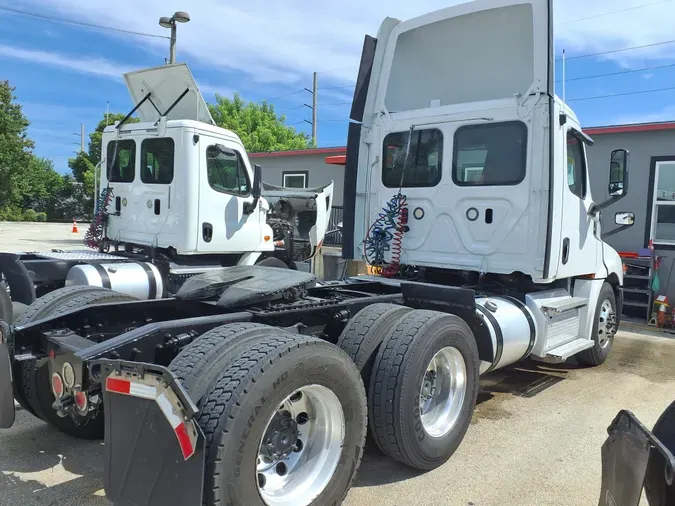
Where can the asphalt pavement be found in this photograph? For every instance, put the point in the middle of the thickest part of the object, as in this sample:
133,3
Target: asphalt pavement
534,440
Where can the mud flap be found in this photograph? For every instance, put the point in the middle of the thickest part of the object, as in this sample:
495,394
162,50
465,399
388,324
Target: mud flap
154,449
626,453
7,411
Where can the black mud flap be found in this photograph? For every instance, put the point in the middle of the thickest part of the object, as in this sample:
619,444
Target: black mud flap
154,449
7,411
627,452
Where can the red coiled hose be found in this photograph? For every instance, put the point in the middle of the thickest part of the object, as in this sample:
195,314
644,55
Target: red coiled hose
392,269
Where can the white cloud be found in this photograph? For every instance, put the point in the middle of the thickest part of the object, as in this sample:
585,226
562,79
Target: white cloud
284,42
212,89
665,114
84,65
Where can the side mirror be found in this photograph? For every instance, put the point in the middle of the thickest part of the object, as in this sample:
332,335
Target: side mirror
618,173
624,219
256,191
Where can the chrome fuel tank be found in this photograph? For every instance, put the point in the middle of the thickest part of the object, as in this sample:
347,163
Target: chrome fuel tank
138,279
512,330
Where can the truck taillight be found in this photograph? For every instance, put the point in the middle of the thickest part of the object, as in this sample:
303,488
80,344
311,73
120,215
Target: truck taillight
81,401
57,385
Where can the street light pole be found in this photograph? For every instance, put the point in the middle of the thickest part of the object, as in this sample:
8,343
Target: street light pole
172,44
166,22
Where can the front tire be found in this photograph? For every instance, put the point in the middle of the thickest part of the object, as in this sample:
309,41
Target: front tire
423,389
246,418
604,328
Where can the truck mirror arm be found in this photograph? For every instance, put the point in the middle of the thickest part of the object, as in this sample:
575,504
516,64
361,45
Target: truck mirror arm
615,231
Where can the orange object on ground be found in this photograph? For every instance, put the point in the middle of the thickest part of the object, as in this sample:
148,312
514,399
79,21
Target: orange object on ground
74,227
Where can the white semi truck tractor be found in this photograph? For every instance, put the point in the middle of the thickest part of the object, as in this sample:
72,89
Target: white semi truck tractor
466,190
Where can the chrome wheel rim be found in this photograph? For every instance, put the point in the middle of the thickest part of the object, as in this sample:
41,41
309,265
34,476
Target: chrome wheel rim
443,391
606,323
301,447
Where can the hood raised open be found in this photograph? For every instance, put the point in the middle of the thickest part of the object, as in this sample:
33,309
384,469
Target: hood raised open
168,85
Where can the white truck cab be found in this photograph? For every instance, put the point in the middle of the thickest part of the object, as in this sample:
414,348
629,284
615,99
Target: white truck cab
182,184
464,165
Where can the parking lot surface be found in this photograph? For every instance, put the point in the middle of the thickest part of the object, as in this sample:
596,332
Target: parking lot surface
535,440
28,237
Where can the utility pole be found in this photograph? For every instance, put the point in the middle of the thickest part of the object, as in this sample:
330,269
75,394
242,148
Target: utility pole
313,107
81,136
314,104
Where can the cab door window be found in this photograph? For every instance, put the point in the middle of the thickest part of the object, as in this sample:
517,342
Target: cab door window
226,171
576,166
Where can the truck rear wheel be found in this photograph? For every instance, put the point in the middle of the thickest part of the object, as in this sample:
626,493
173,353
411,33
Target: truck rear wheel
201,362
657,490
423,389
32,383
364,334
604,327
290,412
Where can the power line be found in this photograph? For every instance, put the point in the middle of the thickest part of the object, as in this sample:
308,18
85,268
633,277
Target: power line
337,103
620,94
338,87
617,11
612,51
618,73
80,23
284,96
339,68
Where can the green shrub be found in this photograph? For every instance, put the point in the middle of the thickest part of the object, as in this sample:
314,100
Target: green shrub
29,215
11,213
41,217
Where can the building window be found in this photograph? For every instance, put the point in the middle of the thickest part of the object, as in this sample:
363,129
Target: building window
576,165
422,159
295,179
226,171
157,161
663,210
490,154
121,161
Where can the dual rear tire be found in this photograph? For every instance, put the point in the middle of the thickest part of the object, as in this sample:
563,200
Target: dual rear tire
421,369
284,415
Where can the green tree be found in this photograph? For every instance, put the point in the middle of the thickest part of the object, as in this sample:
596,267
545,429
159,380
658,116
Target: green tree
258,126
39,185
96,136
15,146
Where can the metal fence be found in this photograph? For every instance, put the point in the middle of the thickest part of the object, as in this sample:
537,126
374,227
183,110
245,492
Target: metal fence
334,232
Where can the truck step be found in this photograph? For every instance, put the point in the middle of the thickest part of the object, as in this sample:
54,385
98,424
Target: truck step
565,351
554,307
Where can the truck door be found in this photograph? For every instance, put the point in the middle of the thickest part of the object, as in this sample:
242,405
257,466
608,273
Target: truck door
578,242
224,188
156,173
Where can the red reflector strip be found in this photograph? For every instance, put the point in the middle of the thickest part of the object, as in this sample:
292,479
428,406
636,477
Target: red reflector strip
184,441
116,385
177,425
132,388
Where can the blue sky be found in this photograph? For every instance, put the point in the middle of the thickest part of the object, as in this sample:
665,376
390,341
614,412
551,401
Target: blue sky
65,74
